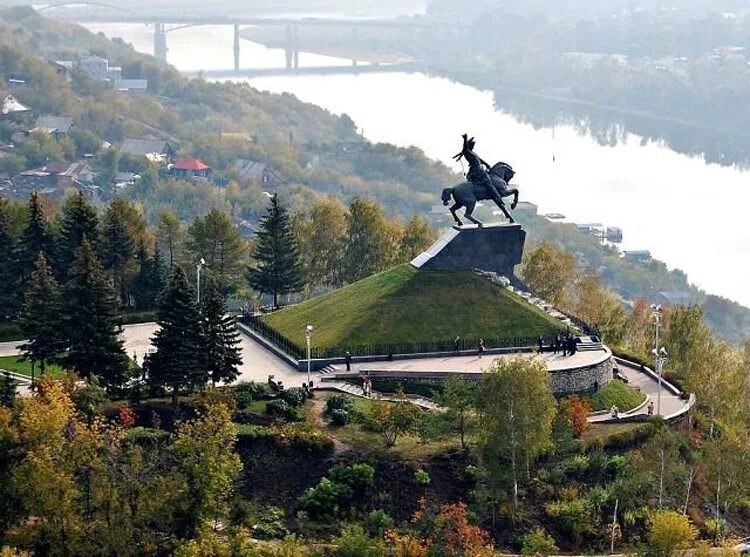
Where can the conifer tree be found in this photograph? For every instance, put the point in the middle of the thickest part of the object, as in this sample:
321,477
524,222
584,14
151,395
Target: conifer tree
37,237
220,337
177,363
278,269
79,221
118,246
40,316
149,282
9,277
91,321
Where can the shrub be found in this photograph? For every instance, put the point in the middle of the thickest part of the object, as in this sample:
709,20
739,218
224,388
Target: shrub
578,465
377,522
471,474
670,530
340,417
617,466
278,408
539,543
422,477
303,436
357,476
572,515
246,392
325,499
339,402
294,396
266,523
354,542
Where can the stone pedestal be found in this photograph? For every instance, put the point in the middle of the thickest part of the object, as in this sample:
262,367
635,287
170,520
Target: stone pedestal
492,248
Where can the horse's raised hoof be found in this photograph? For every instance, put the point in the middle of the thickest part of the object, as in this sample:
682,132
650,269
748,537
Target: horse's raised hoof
513,205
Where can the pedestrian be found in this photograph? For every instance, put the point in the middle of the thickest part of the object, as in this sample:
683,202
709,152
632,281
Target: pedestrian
481,347
541,344
369,387
457,345
364,386
572,345
557,343
615,412
564,346
651,408
348,360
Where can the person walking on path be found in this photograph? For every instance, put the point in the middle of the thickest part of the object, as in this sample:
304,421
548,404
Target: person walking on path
541,344
457,345
557,343
615,412
481,347
651,408
348,360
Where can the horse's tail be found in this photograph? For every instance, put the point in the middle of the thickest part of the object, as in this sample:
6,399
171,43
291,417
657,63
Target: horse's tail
447,192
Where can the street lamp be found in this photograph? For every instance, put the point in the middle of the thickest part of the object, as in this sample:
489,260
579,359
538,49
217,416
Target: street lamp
659,352
308,337
199,267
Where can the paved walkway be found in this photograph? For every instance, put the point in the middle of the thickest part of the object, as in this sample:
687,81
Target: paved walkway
670,403
474,364
258,363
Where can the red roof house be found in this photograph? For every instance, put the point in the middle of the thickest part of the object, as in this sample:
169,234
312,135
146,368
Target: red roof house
191,168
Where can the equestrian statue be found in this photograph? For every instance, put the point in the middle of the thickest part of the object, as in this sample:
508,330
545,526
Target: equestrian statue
484,182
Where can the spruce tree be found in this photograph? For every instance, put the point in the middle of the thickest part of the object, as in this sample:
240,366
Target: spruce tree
10,284
37,237
118,246
149,282
177,363
221,351
40,316
278,269
91,322
79,221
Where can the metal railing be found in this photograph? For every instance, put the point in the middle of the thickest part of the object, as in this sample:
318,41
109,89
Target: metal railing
299,352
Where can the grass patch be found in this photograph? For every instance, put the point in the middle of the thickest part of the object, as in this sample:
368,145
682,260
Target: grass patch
615,393
12,363
408,305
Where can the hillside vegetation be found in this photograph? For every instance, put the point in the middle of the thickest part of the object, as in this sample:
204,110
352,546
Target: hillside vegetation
405,304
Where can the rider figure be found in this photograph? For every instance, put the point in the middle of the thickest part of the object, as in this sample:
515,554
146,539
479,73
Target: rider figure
477,174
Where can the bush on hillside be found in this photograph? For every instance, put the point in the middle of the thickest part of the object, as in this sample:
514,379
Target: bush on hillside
378,521
538,543
294,396
339,402
278,408
340,417
247,392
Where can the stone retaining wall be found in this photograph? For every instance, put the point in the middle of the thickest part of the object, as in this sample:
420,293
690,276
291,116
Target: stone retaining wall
562,382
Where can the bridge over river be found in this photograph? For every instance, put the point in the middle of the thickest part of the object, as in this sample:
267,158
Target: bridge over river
102,12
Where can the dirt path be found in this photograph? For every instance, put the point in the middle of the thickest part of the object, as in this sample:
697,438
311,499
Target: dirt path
315,414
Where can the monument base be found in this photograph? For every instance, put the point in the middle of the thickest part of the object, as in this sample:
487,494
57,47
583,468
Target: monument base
495,248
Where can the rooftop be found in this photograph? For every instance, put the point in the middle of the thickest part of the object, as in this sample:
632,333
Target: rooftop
190,164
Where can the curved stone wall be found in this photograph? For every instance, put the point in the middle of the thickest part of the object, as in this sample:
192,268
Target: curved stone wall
582,379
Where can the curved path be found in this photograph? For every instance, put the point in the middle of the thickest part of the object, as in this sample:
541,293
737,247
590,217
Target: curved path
258,363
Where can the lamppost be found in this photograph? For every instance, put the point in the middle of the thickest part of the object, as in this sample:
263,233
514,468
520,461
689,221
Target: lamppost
308,337
199,267
659,352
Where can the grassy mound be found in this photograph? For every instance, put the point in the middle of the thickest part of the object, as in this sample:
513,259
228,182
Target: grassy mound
618,394
408,305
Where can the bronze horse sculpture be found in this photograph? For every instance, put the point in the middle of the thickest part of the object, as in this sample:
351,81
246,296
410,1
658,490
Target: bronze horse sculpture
466,194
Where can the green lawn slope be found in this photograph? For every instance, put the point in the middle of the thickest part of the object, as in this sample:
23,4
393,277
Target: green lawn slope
405,304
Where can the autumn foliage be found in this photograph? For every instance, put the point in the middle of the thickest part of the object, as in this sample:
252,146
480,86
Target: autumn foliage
578,410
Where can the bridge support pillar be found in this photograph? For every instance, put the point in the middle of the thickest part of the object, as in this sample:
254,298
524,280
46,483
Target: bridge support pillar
160,41
236,47
291,47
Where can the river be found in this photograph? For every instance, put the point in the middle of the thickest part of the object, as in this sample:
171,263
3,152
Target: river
690,214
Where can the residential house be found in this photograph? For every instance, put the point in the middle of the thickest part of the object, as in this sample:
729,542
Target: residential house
133,86
56,177
190,168
59,126
155,150
9,104
638,256
255,171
